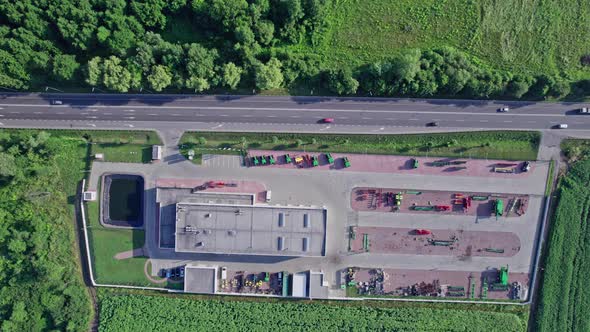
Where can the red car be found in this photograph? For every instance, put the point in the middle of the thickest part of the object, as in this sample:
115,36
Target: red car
422,232
328,120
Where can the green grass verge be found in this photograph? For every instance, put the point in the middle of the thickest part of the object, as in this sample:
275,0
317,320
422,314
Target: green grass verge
510,145
549,182
545,37
122,309
564,296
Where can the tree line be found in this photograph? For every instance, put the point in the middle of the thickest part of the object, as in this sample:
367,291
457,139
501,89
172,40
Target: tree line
122,46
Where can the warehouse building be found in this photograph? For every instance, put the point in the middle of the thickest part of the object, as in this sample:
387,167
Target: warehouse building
250,229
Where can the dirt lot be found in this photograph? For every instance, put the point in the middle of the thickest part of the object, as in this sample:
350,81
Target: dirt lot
454,242
436,283
251,282
214,185
384,200
397,164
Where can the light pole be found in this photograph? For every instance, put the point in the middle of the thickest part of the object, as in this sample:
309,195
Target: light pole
48,87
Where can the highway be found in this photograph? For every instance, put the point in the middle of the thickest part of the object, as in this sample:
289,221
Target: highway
285,110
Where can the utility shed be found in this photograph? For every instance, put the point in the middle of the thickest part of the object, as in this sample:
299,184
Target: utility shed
299,285
200,279
156,152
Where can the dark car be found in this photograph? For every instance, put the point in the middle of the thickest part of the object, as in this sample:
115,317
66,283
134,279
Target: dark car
432,124
526,166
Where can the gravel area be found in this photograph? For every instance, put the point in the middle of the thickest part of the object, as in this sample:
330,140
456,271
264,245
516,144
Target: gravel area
460,243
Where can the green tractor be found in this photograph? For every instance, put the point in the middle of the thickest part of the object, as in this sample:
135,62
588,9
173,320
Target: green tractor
346,162
330,159
271,159
263,160
314,160
414,162
288,158
255,161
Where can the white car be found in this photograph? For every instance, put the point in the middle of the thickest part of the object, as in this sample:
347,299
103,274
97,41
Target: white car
562,126
56,102
504,109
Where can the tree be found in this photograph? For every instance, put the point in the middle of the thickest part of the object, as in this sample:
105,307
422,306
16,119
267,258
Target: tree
202,140
159,78
517,87
12,73
341,82
115,76
269,76
298,143
8,166
149,12
275,140
94,71
265,31
200,66
560,89
406,66
230,75
64,66
314,141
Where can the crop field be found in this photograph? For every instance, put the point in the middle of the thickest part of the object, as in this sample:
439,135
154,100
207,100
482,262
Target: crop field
490,145
517,35
564,297
120,312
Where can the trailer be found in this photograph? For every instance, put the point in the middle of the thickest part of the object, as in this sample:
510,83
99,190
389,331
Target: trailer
443,243
494,250
422,208
504,169
480,198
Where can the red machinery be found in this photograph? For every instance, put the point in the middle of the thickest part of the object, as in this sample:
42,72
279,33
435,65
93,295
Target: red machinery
422,232
466,203
442,207
458,196
215,184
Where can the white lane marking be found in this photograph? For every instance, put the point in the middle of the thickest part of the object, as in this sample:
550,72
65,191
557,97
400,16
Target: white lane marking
268,116
92,117
294,116
345,117
507,121
246,116
223,115
37,112
154,114
130,125
1,108
14,112
483,121
298,109
61,113
129,117
218,126
128,110
460,120
413,119
1,115
175,114
108,113
93,110
91,124
365,118
532,121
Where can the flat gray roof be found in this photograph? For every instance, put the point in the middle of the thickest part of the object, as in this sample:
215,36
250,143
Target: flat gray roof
200,280
250,230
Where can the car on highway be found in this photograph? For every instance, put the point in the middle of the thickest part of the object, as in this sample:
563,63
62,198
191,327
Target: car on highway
432,124
584,110
561,126
56,102
328,120
504,109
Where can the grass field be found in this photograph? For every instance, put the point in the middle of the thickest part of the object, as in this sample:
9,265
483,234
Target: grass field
564,296
492,145
122,310
518,35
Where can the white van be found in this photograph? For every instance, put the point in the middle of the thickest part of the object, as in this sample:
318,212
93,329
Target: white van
268,196
562,126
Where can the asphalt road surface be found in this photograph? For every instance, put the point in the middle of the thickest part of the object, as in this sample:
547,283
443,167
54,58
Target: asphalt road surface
290,110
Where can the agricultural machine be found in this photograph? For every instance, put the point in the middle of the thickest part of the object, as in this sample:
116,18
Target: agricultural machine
346,162
299,161
263,161
414,162
502,283
422,232
288,159
504,169
441,208
330,159
314,161
498,207
255,161
271,159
